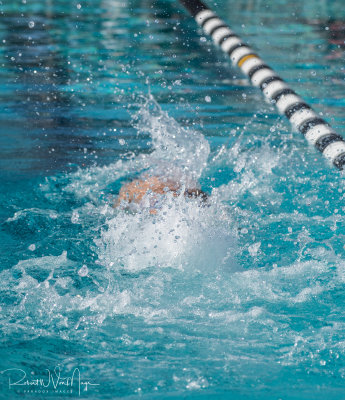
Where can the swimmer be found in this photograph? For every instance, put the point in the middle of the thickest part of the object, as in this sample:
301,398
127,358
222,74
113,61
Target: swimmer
134,192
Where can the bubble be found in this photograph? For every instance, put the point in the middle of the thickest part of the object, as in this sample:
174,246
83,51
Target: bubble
122,142
78,6
208,99
31,24
32,247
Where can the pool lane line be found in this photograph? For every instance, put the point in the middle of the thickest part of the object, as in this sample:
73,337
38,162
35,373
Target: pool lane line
301,116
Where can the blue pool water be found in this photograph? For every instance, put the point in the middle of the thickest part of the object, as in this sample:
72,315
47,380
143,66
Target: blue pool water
242,299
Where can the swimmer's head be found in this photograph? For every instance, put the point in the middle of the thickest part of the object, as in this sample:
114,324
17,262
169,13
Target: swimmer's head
133,192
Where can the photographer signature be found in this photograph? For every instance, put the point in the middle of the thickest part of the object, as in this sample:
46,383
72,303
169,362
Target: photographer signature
53,380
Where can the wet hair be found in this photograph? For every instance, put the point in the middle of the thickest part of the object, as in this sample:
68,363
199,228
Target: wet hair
193,193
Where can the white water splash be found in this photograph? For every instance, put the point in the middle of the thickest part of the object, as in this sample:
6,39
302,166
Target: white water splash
183,232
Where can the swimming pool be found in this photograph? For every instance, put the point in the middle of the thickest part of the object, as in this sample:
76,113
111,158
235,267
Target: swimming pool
241,299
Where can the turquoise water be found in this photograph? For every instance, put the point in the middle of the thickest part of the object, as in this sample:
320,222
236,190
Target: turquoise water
241,299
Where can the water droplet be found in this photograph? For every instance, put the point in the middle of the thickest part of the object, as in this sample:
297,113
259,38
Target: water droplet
75,217
254,248
83,271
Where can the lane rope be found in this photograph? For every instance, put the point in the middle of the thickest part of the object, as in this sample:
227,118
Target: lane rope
301,116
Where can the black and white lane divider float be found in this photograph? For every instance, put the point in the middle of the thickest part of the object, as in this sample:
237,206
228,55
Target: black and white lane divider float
303,118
